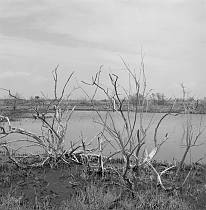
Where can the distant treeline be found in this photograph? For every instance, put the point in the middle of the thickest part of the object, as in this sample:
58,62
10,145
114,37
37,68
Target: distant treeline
16,106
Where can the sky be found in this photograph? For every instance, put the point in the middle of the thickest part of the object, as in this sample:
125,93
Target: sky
82,35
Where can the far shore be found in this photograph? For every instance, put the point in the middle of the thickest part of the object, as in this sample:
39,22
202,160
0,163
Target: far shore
26,108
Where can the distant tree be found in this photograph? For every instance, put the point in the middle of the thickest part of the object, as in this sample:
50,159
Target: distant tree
136,99
153,97
160,98
190,99
15,98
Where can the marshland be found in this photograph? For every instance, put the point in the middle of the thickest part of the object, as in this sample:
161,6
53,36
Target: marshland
114,154
102,105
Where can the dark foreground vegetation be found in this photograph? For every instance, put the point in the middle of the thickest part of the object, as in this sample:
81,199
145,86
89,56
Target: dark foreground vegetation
82,176
85,187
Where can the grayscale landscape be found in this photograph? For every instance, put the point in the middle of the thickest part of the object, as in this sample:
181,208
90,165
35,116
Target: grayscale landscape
102,104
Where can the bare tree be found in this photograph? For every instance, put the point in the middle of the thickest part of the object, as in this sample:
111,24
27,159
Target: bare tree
128,140
190,137
53,130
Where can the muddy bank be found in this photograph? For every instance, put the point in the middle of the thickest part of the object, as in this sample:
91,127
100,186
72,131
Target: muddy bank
66,182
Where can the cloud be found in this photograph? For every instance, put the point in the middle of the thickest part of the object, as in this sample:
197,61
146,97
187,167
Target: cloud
26,28
10,74
22,8
38,34
106,25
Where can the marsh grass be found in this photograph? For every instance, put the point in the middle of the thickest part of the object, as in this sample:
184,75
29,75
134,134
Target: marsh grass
95,198
92,192
82,177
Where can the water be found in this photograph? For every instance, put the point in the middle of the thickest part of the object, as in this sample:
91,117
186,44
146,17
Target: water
83,125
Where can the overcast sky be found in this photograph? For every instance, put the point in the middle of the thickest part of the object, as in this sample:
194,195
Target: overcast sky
81,35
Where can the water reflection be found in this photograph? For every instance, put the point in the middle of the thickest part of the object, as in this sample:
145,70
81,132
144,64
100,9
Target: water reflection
83,125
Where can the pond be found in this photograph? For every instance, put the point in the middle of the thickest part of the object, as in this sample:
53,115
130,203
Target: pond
83,125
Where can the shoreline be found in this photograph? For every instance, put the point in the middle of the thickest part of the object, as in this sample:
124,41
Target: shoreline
64,184
18,114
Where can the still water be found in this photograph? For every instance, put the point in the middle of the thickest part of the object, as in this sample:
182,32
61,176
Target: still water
83,125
